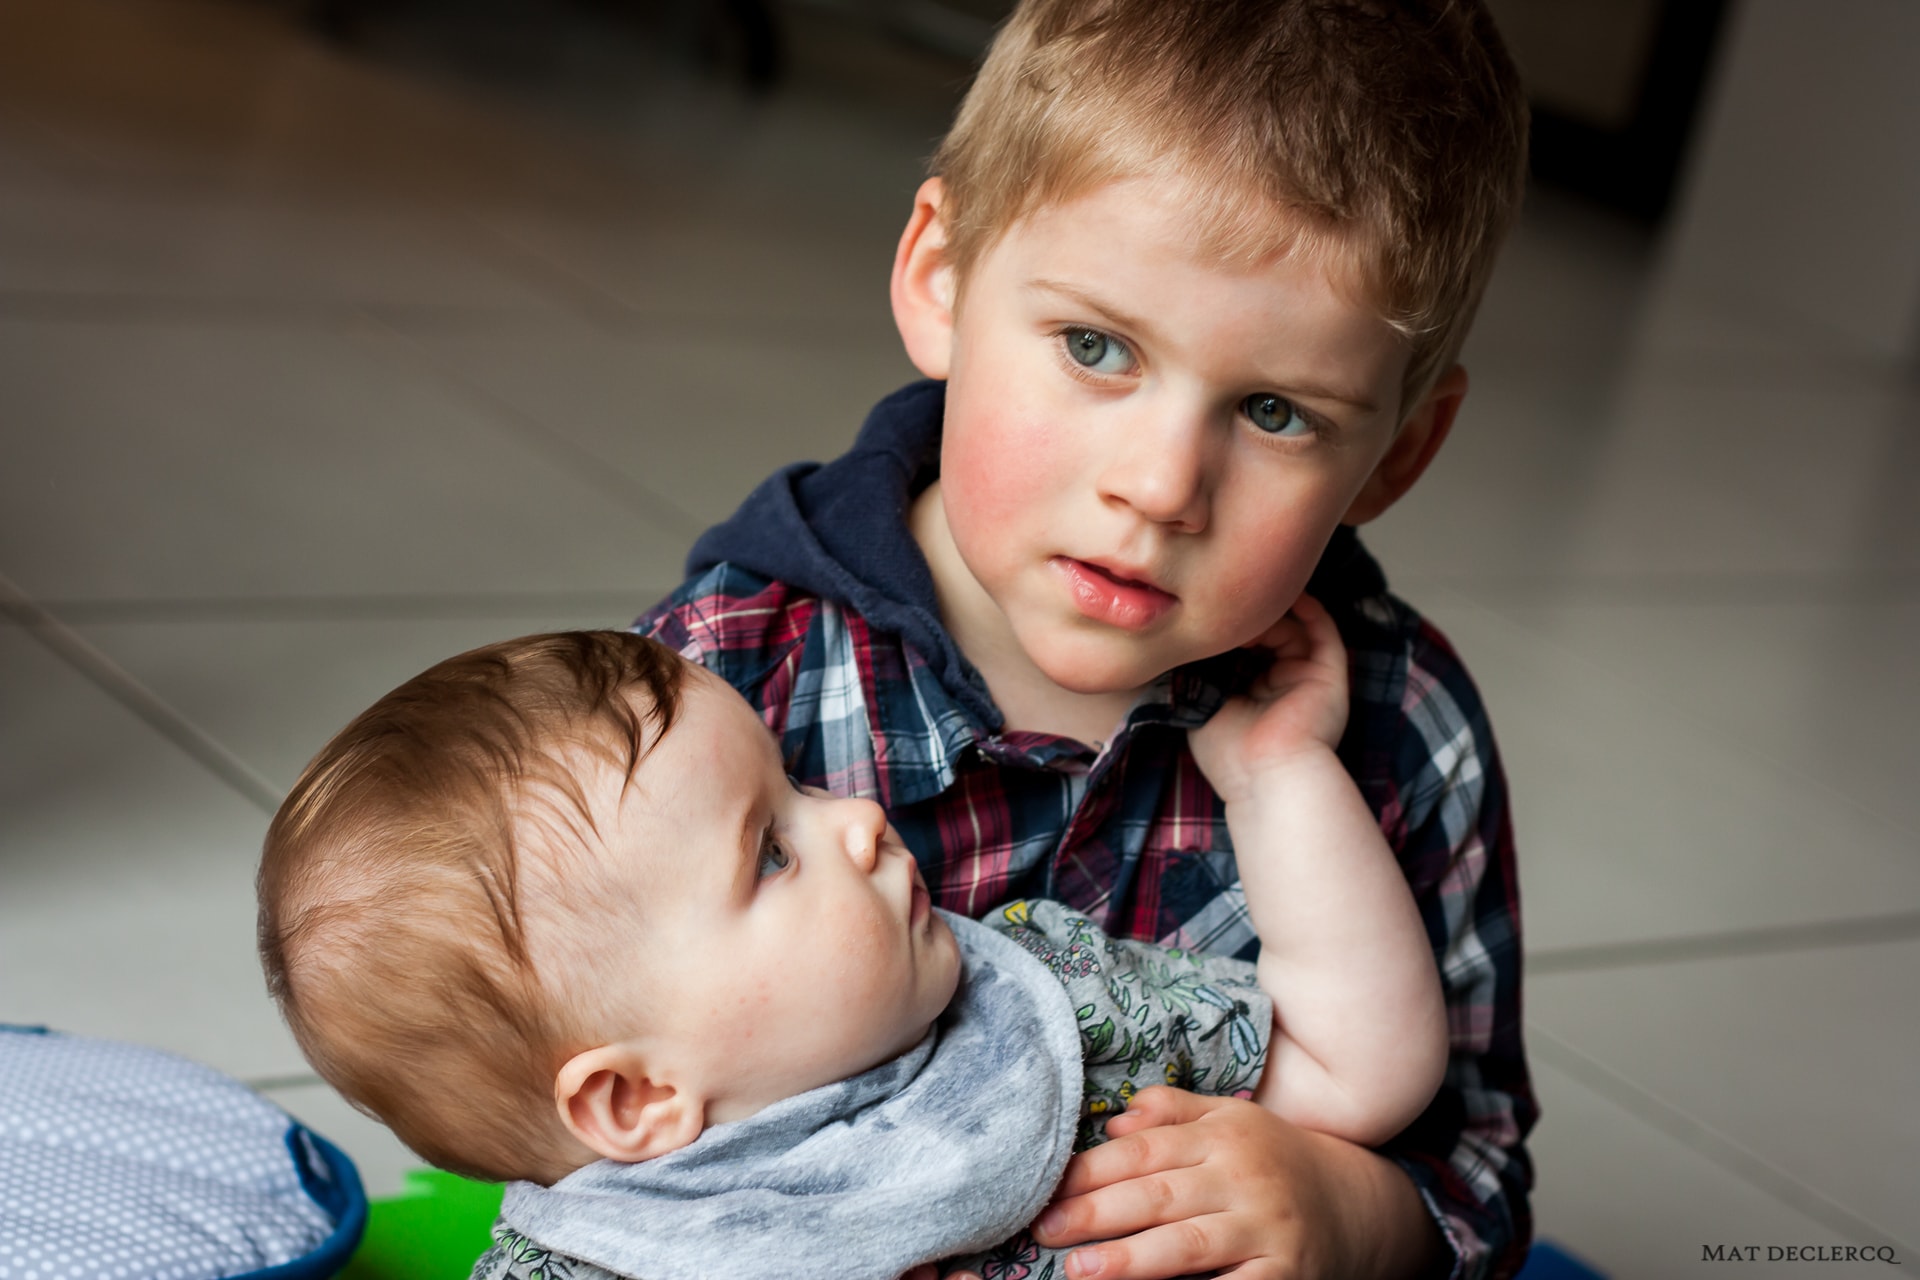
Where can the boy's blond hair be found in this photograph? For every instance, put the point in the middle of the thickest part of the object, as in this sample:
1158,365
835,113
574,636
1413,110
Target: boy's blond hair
1387,135
394,888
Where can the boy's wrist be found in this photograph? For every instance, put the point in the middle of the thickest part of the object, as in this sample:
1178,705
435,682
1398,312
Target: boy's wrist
1386,1231
1280,776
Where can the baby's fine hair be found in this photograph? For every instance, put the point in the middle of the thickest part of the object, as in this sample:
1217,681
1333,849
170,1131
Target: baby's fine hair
1388,137
395,880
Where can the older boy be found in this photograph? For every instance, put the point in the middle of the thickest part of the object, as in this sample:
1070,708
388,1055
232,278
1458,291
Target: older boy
1191,282
554,910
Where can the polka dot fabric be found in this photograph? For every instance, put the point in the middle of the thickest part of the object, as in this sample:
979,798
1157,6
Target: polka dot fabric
119,1162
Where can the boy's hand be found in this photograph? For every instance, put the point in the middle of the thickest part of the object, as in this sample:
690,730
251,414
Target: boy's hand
1300,704
1190,1184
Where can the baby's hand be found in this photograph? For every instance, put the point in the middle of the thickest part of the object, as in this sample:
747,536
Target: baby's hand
1300,704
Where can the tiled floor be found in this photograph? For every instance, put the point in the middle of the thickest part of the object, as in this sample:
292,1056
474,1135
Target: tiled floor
315,368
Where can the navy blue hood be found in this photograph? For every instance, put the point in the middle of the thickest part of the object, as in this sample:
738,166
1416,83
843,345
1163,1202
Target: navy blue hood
838,530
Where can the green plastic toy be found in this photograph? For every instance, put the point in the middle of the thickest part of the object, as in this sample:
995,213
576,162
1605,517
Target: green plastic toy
431,1231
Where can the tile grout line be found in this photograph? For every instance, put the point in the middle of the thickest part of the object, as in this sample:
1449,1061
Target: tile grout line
70,647
1716,1147
1734,589
1765,940
621,605
415,319
514,257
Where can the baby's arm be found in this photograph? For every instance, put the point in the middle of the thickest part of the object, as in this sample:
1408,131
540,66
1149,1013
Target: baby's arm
1360,1033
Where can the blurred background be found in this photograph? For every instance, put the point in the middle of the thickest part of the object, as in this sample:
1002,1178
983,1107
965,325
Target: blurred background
336,337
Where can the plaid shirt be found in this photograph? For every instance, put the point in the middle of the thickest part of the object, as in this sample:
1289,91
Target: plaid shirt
1133,835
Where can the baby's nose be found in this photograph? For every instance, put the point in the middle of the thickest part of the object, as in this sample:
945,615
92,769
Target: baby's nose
866,825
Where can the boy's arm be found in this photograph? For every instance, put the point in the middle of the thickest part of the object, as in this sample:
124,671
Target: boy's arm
1360,1032
1459,1176
1360,1036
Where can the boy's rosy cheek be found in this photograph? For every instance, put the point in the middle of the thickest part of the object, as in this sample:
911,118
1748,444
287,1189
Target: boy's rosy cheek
989,471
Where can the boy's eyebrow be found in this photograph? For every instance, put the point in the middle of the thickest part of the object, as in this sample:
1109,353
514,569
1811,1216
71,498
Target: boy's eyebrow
1085,299
1312,390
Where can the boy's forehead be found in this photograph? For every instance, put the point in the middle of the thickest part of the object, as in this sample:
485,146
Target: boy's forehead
1216,220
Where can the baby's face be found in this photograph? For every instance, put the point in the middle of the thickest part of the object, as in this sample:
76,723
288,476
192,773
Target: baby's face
784,937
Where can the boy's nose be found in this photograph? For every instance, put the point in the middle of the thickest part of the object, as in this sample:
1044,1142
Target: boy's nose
1160,469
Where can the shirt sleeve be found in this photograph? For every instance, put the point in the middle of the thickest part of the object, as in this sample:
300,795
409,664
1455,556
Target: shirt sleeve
1442,800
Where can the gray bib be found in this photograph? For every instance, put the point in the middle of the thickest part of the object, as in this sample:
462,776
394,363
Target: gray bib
949,1148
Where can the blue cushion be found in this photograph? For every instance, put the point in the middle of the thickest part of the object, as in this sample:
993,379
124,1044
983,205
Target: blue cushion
120,1162
1549,1262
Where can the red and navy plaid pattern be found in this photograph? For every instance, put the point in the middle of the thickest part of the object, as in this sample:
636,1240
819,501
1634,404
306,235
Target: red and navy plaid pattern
1131,833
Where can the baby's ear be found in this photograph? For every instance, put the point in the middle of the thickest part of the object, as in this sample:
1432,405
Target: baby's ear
609,1101
923,284
1415,445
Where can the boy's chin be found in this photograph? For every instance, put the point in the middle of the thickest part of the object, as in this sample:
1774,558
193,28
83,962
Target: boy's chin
1101,669
1081,684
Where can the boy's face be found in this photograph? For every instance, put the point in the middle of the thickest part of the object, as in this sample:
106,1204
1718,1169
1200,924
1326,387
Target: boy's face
784,938
1145,450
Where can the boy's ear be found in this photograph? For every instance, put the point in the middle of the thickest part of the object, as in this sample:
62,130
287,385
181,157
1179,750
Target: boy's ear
1419,439
923,284
609,1101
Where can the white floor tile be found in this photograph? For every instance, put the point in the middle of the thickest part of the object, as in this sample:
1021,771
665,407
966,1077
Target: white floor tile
273,693
1667,479
706,266
1635,1202
128,910
1818,682
1802,1059
1752,475
1635,820
196,462
1568,313
703,415
140,247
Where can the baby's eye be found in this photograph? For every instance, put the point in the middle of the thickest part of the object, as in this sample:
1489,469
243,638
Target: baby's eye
1100,352
773,858
1274,415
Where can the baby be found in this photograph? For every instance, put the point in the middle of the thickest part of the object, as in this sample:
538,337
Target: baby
555,913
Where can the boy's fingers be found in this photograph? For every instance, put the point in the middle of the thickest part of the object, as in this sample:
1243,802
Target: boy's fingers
1192,1245
1160,1142
1164,1104
1135,1204
1321,631
1282,634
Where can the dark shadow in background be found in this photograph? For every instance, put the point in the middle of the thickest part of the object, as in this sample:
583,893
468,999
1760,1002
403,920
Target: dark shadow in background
1633,168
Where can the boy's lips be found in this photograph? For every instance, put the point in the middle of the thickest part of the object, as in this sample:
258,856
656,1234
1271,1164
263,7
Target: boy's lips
1112,595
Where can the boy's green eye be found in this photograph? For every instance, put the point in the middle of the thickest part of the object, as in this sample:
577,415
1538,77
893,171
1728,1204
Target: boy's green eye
1274,415
1092,349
